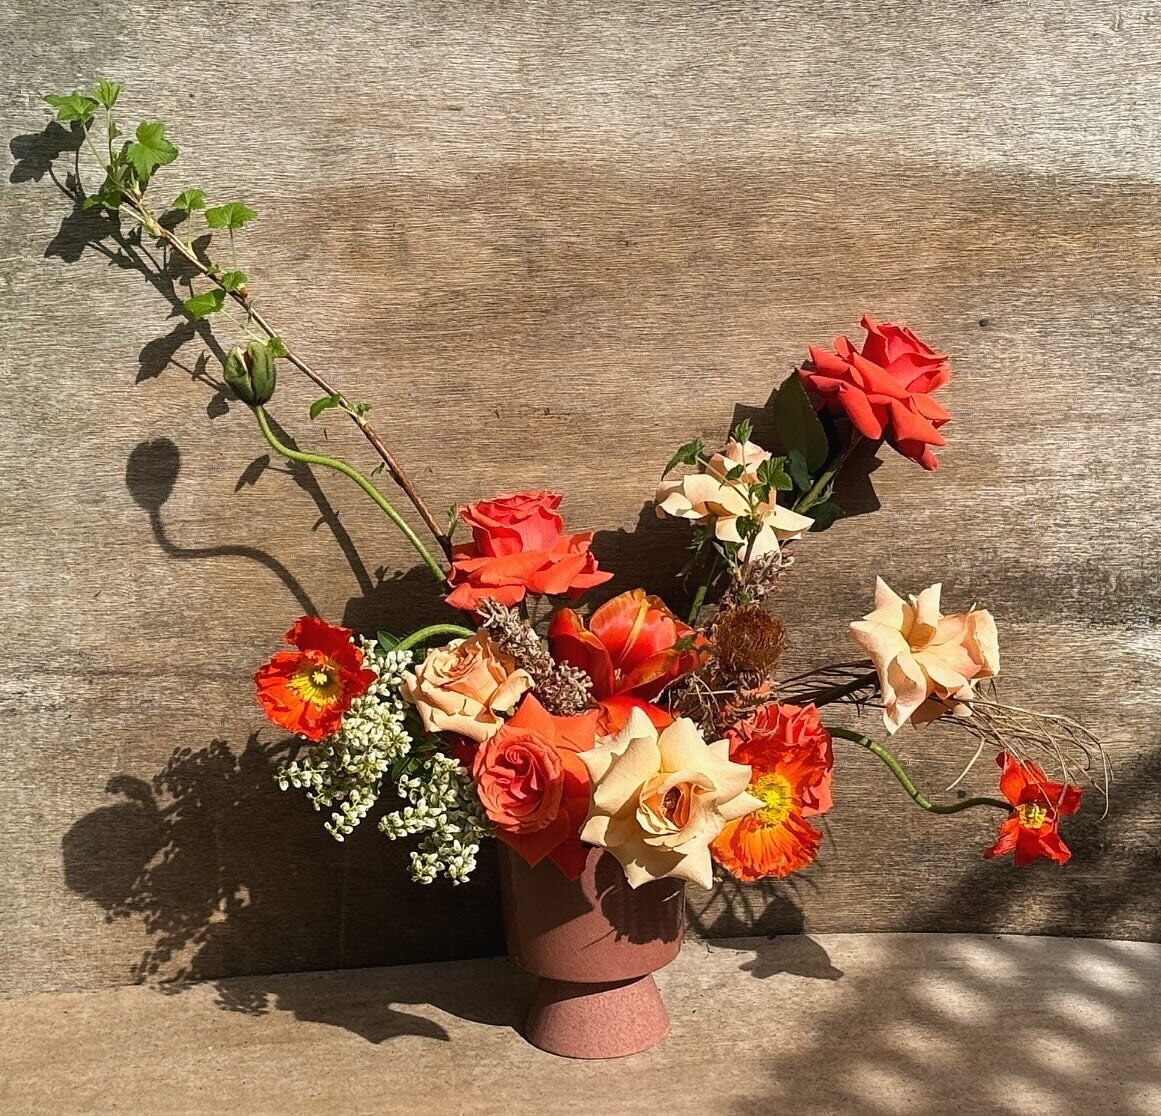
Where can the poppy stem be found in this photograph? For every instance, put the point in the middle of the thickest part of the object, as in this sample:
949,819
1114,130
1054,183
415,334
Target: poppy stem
896,769
429,632
347,471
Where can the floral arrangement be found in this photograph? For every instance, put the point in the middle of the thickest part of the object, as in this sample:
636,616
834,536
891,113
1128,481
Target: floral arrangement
668,737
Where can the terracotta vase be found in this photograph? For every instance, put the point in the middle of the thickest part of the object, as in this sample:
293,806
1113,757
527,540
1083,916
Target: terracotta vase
594,943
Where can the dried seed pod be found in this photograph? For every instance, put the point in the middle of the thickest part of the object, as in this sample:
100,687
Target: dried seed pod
748,640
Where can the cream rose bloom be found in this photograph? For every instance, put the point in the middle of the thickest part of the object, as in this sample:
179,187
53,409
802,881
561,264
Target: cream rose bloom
465,686
659,799
925,660
702,496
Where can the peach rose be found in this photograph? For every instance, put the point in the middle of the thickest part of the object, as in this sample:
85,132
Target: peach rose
465,686
660,797
926,661
708,496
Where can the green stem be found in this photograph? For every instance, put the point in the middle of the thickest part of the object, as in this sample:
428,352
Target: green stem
703,589
360,480
896,769
429,632
816,490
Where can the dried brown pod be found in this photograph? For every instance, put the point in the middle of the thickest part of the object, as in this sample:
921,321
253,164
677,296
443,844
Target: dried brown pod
748,640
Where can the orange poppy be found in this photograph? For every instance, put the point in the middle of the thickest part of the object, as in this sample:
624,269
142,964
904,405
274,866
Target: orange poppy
308,690
1032,829
790,756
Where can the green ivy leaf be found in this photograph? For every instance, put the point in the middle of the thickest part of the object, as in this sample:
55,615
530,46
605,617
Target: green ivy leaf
151,149
72,107
189,200
798,425
204,304
324,404
277,347
825,514
799,473
687,455
106,92
232,215
232,280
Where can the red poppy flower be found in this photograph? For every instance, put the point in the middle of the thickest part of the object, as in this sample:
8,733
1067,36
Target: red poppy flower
633,645
517,548
307,691
533,787
790,756
886,389
1031,830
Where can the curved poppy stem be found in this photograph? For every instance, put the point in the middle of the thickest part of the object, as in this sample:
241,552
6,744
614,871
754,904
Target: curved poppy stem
429,632
896,769
347,471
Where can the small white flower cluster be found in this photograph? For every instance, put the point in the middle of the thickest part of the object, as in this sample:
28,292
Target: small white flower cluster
344,772
444,806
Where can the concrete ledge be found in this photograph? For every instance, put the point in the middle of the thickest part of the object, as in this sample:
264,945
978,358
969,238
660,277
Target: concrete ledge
810,1026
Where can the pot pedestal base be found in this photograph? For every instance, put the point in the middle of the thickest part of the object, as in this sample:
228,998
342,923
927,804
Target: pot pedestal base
608,1020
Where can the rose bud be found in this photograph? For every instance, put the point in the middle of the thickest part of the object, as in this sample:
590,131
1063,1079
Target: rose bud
250,373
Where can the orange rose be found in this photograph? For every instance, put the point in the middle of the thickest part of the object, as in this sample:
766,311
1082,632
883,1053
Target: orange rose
533,787
886,389
465,686
517,547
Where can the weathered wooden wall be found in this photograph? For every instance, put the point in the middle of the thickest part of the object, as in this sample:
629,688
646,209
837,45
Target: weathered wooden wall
550,242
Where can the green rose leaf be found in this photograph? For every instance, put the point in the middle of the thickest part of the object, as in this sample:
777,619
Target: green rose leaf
150,150
798,425
189,200
72,107
687,455
799,473
232,215
204,304
324,404
772,473
106,92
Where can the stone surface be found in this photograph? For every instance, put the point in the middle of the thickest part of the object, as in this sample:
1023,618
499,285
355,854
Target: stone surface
832,1025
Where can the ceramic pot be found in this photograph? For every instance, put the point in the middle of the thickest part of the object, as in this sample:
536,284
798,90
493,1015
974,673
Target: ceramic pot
594,943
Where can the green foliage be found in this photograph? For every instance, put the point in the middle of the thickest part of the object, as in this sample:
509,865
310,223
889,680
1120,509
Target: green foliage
151,149
109,195
72,107
277,347
772,477
106,92
824,514
204,304
798,425
743,431
232,215
387,641
232,280
189,200
324,404
736,472
687,455
799,473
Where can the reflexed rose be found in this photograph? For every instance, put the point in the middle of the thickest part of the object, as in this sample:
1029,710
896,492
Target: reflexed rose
660,798
927,663
308,690
885,390
708,496
533,786
632,644
517,548
465,687
1031,831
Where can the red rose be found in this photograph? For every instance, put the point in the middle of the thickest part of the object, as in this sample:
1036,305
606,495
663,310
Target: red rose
629,647
307,691
533,787
886,389
776,732
517,547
